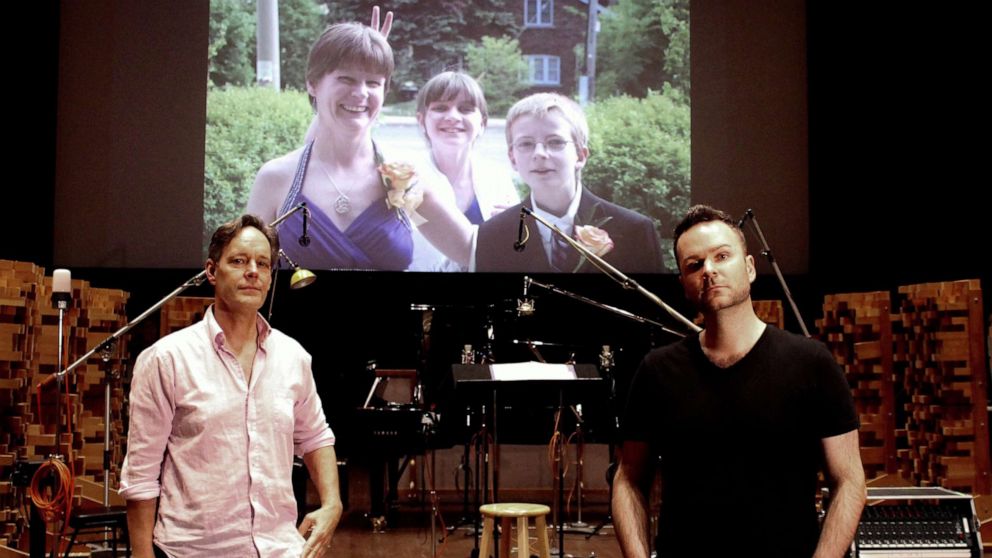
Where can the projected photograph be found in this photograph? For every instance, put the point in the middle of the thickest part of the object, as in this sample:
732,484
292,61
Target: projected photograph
414,143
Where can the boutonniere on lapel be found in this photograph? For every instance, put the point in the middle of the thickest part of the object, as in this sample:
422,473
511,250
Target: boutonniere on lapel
594,239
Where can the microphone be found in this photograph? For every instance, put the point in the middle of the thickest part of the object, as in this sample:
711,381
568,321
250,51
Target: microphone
522,233
606,358
747,215
304,239
61,288
525,306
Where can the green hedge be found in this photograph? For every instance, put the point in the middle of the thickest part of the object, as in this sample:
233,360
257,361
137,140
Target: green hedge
246,126
640,156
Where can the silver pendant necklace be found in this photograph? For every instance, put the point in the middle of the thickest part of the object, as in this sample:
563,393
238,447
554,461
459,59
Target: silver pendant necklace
342,204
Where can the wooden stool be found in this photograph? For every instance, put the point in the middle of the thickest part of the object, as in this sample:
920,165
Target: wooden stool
520,511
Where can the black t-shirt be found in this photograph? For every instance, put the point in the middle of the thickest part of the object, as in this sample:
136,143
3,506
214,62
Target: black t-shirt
740,447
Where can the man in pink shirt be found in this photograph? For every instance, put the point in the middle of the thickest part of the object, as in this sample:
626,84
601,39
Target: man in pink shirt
217,411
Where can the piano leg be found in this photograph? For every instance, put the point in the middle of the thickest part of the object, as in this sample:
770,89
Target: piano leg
377,498
384,480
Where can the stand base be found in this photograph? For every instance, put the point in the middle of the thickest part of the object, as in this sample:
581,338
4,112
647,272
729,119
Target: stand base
608,524
466,524
580,529
470,531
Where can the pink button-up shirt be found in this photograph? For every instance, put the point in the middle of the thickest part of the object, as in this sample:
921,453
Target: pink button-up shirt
217,451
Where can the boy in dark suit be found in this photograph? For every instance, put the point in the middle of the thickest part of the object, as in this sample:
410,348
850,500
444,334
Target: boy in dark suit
547,139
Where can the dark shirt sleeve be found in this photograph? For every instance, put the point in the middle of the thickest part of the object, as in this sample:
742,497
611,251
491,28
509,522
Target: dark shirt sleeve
637,420
833,399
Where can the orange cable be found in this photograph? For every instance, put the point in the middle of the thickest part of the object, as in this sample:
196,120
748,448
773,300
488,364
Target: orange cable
57,504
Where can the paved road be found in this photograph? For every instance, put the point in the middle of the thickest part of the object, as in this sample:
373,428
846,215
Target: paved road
403,140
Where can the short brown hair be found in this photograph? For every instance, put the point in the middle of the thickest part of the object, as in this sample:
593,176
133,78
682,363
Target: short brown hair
703,214
226,233
349,44
447,87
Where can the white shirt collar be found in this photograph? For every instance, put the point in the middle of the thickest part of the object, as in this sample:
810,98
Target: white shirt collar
566,222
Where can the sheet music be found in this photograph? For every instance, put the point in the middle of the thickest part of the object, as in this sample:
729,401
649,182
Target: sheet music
516,371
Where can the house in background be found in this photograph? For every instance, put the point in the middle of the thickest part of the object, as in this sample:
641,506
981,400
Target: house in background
550,32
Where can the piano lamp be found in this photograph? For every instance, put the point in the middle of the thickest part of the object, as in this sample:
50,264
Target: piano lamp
301,277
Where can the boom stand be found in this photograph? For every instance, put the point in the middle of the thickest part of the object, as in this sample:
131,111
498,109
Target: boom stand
560,462
767,252
561,456
109,376
606,369
481,473
432,493
106,351
468,519
57,452
63,305
578,525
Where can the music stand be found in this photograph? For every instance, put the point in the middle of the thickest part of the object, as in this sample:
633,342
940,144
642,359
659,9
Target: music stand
494,382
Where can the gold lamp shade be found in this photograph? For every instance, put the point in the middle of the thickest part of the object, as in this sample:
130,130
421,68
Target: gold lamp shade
301,278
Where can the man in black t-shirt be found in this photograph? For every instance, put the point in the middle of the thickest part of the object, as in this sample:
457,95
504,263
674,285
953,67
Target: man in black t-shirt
743,417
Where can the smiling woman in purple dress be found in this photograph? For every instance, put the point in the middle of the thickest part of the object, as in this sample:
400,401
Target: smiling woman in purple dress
337,173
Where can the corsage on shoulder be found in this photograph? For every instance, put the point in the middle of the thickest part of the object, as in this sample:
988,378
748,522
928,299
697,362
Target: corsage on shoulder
400,180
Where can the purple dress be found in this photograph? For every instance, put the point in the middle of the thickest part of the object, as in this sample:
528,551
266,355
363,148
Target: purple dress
379,238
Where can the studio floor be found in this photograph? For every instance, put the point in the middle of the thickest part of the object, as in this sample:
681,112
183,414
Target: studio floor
410,537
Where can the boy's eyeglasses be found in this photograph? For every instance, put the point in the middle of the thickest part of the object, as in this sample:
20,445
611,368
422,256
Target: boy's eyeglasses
527,146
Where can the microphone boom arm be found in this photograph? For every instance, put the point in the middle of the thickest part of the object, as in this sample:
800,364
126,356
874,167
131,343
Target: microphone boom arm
612,272
607,307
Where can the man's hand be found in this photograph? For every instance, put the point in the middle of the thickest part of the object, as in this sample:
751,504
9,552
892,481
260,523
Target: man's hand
320,525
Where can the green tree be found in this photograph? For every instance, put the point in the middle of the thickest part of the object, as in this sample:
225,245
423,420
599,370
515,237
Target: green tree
500,68
430,36
300,23
640,155
643,45
246,126
231,46
673,19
